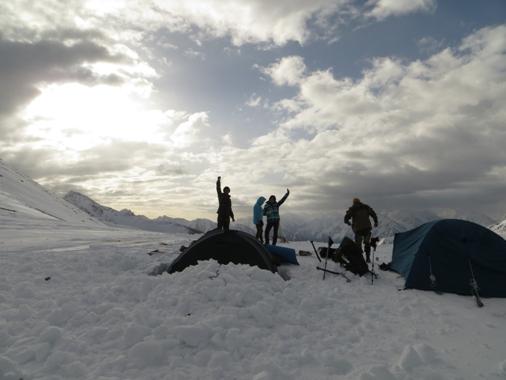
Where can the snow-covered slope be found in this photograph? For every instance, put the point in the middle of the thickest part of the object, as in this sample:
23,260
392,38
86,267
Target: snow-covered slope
125,217
499,228
21,198
91,312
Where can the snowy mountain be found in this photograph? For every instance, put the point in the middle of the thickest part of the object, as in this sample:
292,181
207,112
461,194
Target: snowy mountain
499,228
293,227
21,198
126,217
319,229
298,228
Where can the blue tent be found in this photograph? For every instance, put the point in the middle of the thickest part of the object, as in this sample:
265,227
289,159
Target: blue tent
450,249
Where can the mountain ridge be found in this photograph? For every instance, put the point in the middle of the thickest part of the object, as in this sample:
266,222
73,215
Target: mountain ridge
293,227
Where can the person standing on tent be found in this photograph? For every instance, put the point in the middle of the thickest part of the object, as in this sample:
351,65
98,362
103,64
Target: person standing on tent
271,210
258,219
359,213
225,206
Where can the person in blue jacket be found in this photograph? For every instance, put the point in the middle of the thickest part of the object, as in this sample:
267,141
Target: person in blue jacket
271,210
258,218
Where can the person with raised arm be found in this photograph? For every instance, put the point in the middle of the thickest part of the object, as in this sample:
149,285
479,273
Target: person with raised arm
271,211
224,212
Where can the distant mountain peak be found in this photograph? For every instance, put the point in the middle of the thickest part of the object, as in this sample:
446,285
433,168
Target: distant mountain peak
125,217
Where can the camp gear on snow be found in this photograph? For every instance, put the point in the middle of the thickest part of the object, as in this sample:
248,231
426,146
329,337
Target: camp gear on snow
359,215
385,267
353,255
304,253
347,255
334,254
454,253
225,247
286,255
334,272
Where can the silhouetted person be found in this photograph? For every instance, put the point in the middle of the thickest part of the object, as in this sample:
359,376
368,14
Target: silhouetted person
225,206
359,213
271,210
258,218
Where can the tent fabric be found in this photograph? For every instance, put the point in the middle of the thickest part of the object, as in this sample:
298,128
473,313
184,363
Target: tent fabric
285,255
451,248
225,247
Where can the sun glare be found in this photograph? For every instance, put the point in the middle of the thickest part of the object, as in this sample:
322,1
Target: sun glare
78,117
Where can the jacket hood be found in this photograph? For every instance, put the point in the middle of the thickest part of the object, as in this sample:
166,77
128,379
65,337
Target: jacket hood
260,201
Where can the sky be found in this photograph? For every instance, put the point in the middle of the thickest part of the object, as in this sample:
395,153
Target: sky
142,104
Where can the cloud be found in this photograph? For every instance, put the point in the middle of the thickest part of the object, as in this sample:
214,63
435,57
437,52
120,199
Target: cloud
23,65
189,132
254,101
381,9
287,71
405,134
246,21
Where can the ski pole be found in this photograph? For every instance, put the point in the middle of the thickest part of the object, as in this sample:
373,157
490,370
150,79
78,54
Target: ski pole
327,256
315,251
372,267
334,272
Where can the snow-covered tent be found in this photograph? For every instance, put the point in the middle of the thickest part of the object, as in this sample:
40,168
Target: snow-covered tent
225,247
451,250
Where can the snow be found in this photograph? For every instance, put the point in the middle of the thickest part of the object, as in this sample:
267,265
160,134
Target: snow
77,302
101,316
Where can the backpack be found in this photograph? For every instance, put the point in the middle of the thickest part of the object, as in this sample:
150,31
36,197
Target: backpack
353,255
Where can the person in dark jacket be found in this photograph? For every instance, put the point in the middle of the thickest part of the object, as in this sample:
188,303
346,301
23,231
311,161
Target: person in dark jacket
360,215
258,218
225,206
271,210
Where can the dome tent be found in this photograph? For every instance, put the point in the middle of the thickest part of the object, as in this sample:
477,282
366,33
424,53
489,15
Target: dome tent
450,249
225,247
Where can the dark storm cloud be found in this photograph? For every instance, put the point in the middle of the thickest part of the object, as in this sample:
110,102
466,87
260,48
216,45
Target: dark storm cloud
24,65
